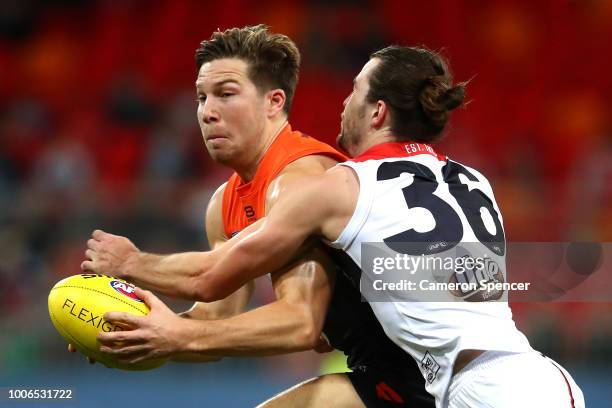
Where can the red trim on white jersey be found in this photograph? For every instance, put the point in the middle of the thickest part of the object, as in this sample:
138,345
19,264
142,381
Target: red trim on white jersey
569,388
397,149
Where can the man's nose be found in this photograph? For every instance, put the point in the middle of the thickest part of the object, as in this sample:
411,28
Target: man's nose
209,113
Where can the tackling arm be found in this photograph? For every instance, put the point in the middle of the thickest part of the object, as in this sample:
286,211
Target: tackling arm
318,207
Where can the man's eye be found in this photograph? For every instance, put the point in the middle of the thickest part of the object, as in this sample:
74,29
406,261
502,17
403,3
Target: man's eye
226,94
201,98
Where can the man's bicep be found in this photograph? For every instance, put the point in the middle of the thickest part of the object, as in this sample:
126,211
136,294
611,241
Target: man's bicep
273,241
303,289
266,245
294,173
307,199
232,305
308,281
259,249
213,223
301,210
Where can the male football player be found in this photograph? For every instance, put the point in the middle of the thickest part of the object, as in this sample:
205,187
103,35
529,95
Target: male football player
245,85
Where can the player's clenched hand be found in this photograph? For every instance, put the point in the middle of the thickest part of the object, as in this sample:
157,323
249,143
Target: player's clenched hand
155,335
108,254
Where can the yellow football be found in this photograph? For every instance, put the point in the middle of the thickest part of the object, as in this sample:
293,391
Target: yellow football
77,306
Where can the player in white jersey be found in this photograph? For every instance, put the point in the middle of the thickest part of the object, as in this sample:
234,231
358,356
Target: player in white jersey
398,192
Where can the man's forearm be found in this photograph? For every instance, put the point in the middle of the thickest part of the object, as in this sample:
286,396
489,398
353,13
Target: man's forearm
194,358
276,328
172,275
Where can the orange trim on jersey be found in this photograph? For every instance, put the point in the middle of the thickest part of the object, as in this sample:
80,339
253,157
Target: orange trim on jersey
244,203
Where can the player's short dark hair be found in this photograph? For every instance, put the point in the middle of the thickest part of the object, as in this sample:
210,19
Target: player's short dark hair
273,59
417,85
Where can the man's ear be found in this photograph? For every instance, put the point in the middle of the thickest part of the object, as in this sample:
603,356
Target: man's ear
379,115
276,100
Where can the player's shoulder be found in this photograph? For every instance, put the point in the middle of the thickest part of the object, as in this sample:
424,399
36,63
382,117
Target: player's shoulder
336,186
295,173
482,178
313,164
336,194
217,196
336,176
215,204
214,217
471,169
343,177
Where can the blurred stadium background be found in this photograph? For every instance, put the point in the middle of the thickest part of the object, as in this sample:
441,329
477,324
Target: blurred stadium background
98,129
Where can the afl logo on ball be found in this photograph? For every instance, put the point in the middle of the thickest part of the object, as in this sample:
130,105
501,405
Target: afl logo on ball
125,289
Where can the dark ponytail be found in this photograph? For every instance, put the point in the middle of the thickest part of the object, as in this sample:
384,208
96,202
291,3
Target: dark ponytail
417,85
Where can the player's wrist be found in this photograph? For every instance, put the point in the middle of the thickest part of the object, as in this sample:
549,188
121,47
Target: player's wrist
130,267
192,335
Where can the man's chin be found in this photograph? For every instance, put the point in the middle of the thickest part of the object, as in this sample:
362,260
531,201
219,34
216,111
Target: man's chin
341,143
219,155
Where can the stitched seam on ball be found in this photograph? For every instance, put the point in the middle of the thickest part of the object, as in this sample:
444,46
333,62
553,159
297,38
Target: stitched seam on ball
103,293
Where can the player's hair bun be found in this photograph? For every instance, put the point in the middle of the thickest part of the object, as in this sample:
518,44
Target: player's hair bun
437,98
453,97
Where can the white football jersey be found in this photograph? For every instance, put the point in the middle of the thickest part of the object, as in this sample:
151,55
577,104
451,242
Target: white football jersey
416,202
